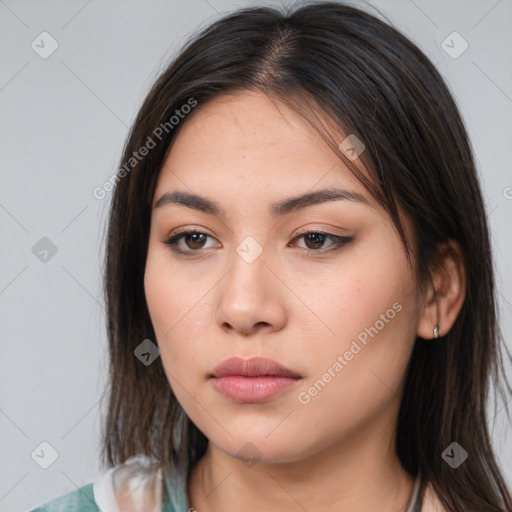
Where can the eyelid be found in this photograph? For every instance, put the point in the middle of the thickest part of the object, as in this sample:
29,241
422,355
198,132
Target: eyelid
317,229
186,229
300,231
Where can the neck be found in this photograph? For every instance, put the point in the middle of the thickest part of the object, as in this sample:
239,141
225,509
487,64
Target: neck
360,474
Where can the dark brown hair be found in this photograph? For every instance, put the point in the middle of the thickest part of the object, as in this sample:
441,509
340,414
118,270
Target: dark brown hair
338,66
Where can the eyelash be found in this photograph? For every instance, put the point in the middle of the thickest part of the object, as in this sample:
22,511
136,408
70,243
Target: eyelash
339,241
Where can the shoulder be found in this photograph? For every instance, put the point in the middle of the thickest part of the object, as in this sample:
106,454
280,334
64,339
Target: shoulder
81,499
134,485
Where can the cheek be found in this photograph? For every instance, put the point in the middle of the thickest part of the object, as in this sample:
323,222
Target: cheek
369,286
178,314
165,303
160,297
371,314
357,377
167,293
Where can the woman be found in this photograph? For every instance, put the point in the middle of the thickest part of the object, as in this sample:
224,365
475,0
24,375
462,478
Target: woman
296,258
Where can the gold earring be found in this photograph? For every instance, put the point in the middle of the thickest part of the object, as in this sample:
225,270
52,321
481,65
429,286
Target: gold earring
436,332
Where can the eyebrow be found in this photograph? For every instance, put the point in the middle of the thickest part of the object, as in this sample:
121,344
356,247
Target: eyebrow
278,209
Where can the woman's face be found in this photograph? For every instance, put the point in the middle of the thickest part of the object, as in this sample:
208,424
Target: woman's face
341,316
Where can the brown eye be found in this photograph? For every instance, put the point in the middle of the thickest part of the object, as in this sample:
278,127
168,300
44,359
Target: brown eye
314,240
193,240
197,240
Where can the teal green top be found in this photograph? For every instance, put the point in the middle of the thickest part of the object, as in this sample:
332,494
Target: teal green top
137,481
81,499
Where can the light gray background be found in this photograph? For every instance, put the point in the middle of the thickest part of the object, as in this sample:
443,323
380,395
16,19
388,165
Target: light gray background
63,123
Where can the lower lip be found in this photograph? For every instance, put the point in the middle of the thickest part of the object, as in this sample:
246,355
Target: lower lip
252,390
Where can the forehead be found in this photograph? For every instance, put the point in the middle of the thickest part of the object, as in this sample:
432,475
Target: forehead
247,140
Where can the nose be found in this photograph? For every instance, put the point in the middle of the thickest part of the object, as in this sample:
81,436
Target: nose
250,297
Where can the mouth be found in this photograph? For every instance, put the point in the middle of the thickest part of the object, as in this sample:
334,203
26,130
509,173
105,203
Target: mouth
253,367
253,380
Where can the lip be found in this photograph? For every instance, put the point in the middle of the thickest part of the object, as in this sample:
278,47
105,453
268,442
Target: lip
252,367
253,380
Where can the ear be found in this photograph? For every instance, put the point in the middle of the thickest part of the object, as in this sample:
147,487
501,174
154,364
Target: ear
449,282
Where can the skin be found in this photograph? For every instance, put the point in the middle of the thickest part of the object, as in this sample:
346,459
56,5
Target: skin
296,306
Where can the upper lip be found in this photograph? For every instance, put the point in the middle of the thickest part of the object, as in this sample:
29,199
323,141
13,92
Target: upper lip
253,367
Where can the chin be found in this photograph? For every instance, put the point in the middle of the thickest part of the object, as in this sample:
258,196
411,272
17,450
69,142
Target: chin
260,449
